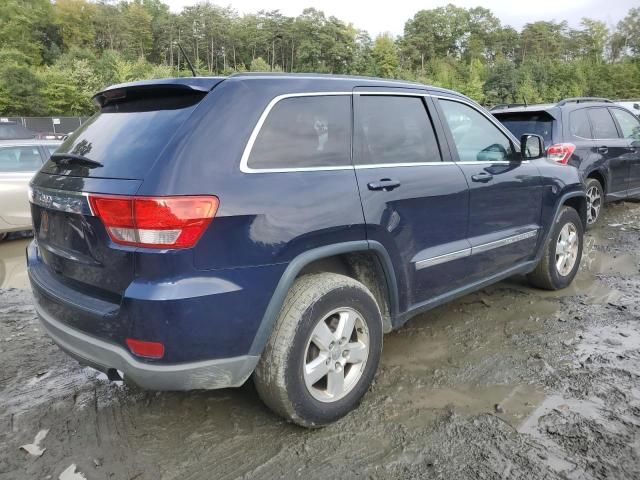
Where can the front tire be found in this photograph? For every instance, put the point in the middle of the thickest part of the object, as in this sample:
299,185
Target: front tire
323,352
561,258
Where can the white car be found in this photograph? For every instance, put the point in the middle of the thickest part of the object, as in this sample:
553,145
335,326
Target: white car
633,106
19,161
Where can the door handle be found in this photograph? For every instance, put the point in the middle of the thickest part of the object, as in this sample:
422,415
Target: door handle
482,177
385,184
603,149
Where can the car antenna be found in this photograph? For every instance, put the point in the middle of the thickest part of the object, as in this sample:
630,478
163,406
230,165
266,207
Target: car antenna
193,70
525,101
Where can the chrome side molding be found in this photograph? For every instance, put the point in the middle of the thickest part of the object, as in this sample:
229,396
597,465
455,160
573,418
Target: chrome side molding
467,252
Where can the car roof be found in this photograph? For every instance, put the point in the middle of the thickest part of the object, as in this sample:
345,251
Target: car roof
550,108
28,142
313,80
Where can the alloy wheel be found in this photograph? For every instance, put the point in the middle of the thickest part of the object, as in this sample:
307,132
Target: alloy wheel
594,204
336,355
567,249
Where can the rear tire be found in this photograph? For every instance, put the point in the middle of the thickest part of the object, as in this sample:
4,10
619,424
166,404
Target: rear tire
561,258
323,352
595,201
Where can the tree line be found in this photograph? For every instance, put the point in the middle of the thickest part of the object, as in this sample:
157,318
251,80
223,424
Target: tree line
54,55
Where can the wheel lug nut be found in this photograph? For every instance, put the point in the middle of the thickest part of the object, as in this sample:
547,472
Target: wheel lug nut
345,353
331,345
328,361
338,366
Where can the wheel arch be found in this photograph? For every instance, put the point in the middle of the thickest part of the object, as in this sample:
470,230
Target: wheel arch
365,261
575,199
601,177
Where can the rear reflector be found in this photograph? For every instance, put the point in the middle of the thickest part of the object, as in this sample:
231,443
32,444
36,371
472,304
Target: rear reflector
560,152
155,222
146,349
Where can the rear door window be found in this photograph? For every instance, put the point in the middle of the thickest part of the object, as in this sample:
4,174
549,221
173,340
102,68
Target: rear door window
394,130
20,159
539,123
629,124
304,132
602,124
579,125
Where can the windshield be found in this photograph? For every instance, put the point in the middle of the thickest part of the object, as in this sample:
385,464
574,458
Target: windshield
539,123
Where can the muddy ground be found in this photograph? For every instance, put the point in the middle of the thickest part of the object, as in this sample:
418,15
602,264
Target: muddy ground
510,382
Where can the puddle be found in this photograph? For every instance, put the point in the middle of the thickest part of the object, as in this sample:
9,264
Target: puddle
474,325
13,272
512,403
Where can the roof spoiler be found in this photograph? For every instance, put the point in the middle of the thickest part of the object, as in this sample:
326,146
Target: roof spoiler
155,88
501,106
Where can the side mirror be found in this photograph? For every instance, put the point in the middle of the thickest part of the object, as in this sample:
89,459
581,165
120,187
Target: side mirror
531,146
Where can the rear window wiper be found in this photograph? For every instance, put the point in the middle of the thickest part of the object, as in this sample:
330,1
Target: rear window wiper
69,158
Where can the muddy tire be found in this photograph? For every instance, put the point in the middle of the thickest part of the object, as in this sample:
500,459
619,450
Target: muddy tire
595,201
562,254
323,352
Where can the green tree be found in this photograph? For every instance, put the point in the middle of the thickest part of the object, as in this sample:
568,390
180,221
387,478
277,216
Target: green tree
74,19
385,56
259,65
22,26
19,90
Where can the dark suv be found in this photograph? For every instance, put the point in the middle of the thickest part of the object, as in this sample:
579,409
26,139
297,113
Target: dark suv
197,231
595,135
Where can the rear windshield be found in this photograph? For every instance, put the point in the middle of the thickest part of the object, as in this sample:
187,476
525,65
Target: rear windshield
13,131
126,138
539,123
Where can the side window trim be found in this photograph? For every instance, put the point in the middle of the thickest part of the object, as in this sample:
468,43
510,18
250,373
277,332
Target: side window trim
449,154
449,136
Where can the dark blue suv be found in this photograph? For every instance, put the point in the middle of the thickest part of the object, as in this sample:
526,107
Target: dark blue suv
198,231
598,137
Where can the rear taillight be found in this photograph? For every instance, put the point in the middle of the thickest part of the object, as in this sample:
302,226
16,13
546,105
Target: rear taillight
145,349
155,222
560,152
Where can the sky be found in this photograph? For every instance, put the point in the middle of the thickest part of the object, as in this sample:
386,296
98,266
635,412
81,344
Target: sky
391,18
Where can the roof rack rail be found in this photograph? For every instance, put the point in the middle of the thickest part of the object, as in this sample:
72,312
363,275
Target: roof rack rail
508,105
582,100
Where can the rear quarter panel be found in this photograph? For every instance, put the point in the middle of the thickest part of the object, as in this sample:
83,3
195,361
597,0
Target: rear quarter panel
263,218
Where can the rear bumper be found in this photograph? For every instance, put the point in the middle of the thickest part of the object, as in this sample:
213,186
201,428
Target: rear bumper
105,356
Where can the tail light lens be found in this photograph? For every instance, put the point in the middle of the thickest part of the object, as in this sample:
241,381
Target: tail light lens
145,349
155,222
560,152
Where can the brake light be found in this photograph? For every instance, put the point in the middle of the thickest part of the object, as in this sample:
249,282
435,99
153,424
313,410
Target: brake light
146,349
560,152
155,222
